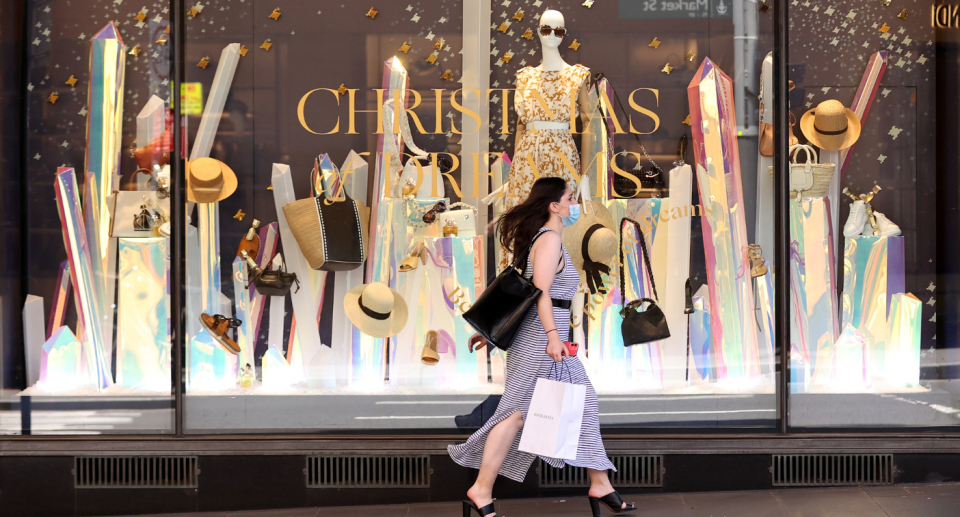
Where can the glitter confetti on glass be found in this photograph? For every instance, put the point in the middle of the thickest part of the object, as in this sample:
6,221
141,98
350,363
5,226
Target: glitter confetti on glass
764,7
244,50
143,315
86,287
432,59
447,75
439,44
372,13
903,341
588,3
733,328
239,215
405,48
873,271
105,122
686,120
884,28
527,34
52,98
863,99
903,14
575,45
60,362
504,27
193,12
667,69
689,56
204,62
136,50
266,44
72,81
162,40
507,56
275,15
655,43
518,15
141,16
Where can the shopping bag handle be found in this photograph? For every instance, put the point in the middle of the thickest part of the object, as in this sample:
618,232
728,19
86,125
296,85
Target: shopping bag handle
563,368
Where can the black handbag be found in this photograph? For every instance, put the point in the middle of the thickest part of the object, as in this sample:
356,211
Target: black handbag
273,282
644,325
499,310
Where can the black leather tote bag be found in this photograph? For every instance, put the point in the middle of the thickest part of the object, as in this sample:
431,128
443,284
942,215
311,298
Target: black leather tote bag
499,310
648,324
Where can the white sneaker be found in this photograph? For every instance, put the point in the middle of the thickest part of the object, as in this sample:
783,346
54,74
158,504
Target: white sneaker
886,226
856,221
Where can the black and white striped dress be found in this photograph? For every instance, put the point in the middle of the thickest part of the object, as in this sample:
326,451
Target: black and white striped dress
526,362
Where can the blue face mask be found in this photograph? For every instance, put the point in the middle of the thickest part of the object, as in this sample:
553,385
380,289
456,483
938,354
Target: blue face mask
569,220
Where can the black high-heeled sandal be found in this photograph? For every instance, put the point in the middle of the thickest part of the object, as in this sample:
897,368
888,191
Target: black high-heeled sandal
483,512
612,501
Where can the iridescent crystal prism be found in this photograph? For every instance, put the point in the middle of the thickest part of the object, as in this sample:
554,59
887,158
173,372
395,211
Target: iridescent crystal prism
714,128
143,314
60,361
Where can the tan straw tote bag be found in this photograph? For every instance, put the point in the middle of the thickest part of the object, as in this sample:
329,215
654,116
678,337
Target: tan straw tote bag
810,179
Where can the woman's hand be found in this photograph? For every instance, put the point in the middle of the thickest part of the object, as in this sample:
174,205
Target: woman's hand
555,347
476,342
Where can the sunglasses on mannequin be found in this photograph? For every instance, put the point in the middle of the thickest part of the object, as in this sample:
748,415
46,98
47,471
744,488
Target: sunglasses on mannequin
546,30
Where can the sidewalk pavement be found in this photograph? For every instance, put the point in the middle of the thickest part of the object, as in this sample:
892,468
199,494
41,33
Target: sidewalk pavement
933,500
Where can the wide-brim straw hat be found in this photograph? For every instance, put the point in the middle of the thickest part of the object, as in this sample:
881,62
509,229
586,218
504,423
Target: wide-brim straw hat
831,126
376,309
209,180
597,228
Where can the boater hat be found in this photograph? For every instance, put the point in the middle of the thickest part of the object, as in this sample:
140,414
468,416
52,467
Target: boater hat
376,309
831,126
209,180
592,241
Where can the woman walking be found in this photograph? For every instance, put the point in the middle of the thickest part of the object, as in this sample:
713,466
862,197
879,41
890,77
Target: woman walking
539,344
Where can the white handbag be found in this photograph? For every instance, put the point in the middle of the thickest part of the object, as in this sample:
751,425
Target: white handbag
138,213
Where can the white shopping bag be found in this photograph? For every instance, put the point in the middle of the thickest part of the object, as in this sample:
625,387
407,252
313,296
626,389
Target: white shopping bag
552,427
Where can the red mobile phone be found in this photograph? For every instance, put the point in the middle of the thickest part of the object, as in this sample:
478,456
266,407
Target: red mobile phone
571,348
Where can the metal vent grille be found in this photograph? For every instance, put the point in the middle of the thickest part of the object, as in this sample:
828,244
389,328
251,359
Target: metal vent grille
632,471
368,471
832,469
135,472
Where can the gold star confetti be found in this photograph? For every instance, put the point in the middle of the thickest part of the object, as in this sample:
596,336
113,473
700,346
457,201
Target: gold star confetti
667,69
270,187
136,50
903,14
275,15
655,43
167,30
575,45
447,76
439,44
405,48
53,98
686,120
528,34
193,12
884,2
503,27
372,13
239,215
72,81
342,89
764,7
203,63
507,56
690,55
518,15
884,28
162,40
432,59
140,16
266,44
588,4
244,50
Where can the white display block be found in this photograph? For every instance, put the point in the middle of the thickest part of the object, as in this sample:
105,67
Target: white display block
764,230
304,304
151,121
216,99
34,335
275,335
677,272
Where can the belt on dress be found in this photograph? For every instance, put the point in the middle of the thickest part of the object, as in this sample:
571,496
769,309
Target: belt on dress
547,124
562,304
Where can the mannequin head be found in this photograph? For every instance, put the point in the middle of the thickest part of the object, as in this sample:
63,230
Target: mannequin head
553,19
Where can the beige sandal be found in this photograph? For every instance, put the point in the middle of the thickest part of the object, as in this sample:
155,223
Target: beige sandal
419,253
430,355
218,326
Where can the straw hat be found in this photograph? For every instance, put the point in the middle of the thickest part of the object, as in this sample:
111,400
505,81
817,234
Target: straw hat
591,242
831,126
376,309
209,180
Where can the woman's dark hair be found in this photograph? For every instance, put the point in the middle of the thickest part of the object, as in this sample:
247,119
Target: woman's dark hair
521,223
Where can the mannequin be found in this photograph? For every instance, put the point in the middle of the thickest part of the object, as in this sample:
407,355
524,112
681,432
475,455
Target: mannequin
544,143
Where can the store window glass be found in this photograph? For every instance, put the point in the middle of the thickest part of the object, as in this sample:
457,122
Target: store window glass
86,315
873,314
304,129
